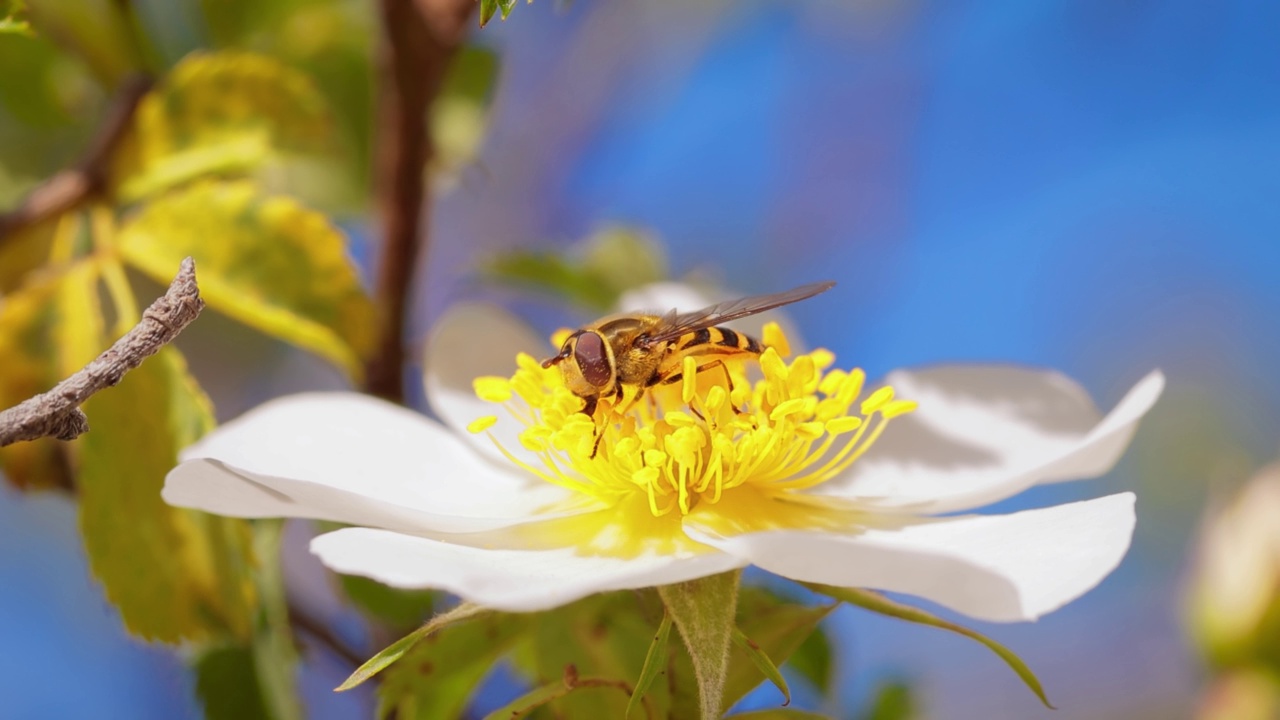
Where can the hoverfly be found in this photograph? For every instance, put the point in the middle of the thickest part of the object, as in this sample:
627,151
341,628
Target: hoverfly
639,351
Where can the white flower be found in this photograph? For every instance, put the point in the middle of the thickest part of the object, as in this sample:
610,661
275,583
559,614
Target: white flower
441,508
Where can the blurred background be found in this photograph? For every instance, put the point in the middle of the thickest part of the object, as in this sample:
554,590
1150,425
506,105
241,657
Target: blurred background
1090,186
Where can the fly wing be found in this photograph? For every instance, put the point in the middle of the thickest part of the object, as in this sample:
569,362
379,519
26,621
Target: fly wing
674,324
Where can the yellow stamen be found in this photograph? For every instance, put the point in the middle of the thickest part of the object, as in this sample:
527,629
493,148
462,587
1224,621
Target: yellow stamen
481,424
799,425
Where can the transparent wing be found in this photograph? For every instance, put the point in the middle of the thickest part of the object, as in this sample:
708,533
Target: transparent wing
674,324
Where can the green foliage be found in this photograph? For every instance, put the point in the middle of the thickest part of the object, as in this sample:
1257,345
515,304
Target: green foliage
13,19
437,677
893,701
593,274
174,574
276,265
876,602
777,627
52,323
227,685
398,649
218,113
398,609
812,660
459,117
654,661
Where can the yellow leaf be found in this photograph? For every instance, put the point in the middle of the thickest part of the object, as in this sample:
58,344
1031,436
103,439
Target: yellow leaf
228,112
23,252
174,574
49,329
265,261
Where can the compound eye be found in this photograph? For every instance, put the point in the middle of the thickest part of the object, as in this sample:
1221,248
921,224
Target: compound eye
593,359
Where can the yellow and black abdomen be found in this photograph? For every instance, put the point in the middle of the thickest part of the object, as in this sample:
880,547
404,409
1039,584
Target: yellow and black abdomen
718,341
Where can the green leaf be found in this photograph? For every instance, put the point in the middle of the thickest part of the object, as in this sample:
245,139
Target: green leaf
99,32
13,26
51,327
265,261
604,635
763,663
538,697
812,660
174,574
222,113
460,113
654,662
227,685
593,274
438,677
401,609
487,9
876,602
506,6
397,650
778,627
703,611
273,648
893,701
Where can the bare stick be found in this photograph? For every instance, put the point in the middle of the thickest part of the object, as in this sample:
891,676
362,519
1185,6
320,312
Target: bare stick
419,39
69,188
57,413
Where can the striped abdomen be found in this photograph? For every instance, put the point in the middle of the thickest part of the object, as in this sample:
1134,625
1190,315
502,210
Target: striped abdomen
717,341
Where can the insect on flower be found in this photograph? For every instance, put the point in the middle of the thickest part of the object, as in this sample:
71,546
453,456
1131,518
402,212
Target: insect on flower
637,351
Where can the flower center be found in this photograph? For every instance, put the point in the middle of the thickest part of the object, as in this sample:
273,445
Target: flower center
698,439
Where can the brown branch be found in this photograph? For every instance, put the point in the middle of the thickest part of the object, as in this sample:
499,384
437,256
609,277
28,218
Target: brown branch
419,39
71,188
57,413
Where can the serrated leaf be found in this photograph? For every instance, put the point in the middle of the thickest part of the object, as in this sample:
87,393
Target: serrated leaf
604,635
876,602
227,685
438,677
397,649
50,328
401,609
654,662
264,260
778,627
487,9
763,663
228,112
174,574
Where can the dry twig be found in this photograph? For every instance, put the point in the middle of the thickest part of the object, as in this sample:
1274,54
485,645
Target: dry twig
57,413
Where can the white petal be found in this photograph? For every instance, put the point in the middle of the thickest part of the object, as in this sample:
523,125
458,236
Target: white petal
663,296
1002,568
512,580
351,458
982,434
470,341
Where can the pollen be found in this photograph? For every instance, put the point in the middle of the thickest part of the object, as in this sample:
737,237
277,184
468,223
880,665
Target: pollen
719,434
